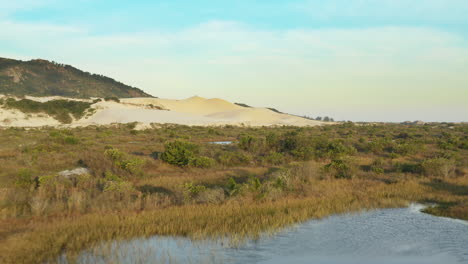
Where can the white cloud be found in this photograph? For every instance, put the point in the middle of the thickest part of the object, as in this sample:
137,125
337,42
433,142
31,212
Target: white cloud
396,11
374,68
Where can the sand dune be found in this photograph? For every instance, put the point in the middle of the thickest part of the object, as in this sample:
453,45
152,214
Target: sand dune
192,111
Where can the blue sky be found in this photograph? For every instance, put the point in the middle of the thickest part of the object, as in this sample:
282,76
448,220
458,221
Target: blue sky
391,60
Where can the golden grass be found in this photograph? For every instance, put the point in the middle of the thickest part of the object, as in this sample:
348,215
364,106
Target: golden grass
237,219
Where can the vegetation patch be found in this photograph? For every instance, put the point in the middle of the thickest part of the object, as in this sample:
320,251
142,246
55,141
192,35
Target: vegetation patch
61,110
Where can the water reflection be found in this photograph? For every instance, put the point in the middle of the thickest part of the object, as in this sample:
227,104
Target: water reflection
382,236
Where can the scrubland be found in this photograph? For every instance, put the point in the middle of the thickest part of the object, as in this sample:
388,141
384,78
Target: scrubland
173,181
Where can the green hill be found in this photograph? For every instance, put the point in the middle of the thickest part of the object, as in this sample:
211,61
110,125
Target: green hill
45,78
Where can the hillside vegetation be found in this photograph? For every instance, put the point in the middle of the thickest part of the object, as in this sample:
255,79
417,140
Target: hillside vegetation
45,78
61,110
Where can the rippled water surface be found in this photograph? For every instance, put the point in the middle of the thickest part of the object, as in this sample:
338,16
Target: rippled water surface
382,236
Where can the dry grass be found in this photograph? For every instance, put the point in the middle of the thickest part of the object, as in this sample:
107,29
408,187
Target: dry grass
237,219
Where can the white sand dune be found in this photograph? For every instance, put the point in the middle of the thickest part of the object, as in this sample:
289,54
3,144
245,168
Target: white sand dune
192,111
15,118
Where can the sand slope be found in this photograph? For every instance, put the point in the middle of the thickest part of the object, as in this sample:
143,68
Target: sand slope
192,111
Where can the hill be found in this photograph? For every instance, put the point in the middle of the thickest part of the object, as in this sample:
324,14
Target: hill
45,78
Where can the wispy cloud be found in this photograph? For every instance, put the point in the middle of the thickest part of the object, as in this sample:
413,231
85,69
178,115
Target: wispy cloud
393,11
301,69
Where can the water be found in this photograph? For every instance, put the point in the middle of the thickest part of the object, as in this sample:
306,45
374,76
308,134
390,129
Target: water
383,236
221,142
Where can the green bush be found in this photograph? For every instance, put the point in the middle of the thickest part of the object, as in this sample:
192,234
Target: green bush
71,140
340,168
250,143
439,167
123,161
202,162
232,187
274,158
192,190
334,149
179,153
406,149
25,179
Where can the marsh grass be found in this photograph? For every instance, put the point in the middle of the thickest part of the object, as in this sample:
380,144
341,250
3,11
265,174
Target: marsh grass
237,219
272,178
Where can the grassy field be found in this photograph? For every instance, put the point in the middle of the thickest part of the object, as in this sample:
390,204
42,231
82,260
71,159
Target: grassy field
171,181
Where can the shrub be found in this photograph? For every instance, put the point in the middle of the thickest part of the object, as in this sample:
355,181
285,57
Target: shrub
405,149
289,142
114,154
192,190
250,143
232,187
377,166
408,168
274,158
112,98
234,159
71,140
333,150
202,162
439,167
272,141
122,161
179,153
25,179
340,168
254,183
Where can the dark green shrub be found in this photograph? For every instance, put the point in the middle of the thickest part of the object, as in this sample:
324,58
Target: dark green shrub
290,142
340,168
272,141
334,149
250,143
179,153
112,98
303,153
71,140
408,168
232,187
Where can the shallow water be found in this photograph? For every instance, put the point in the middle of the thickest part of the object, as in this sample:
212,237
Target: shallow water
221,142
382,236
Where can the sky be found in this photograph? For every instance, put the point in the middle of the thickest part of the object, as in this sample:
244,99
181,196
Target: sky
358,60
